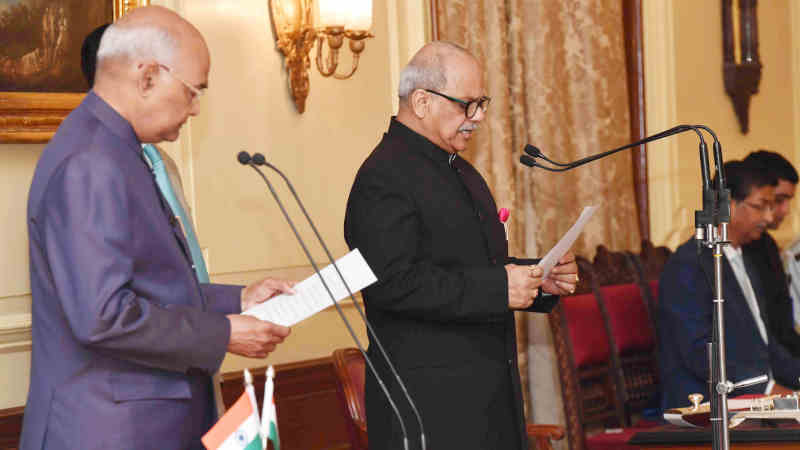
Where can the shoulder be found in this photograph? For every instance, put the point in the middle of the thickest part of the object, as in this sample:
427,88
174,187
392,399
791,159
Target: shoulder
682,262
390,163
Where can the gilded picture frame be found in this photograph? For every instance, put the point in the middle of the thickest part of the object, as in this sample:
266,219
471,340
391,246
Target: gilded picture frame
33,117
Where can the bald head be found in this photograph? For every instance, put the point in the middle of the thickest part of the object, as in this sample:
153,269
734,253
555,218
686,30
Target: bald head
148,33
151,66
428,69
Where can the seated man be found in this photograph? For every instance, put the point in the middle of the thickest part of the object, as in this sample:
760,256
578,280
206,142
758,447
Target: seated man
777,298
685,308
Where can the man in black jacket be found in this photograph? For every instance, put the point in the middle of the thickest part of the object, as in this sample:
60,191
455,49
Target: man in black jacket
778,301
444,303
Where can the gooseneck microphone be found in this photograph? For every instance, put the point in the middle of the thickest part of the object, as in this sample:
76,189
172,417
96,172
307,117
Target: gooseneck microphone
710,231
258,159
716,207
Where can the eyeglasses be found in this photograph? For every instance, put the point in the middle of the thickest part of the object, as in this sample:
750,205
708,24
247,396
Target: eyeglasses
196,93
470,107
762,208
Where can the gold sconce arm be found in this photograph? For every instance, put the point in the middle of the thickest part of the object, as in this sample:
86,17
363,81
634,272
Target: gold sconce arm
335,37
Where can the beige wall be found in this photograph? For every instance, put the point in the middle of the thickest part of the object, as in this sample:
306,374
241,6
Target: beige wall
246,107
683,67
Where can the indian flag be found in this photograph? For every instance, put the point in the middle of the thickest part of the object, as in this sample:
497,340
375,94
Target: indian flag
269,417
237,429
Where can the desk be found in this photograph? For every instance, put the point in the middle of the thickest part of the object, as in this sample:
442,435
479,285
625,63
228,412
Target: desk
746,436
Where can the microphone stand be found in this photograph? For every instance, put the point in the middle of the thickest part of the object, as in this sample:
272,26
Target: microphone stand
711,230
258,159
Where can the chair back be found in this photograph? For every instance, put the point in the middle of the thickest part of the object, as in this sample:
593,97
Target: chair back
348,364
587,380
632,336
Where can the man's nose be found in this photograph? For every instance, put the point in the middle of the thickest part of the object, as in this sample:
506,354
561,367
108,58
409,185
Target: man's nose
194,108
769,214
480,114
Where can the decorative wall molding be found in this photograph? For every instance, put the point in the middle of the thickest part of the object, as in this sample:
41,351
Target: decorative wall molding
658,29
15,333
309,412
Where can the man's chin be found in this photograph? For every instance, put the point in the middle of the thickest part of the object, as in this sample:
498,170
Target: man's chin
171,137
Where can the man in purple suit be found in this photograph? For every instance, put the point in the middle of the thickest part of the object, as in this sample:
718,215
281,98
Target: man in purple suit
125,337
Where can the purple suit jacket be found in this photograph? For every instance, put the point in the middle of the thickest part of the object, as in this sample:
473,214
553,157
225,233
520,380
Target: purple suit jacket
124,336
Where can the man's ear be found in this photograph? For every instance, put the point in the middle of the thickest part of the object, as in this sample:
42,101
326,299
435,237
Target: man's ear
420,103
734,205
146,77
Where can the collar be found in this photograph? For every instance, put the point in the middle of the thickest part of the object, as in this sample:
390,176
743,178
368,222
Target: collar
732,253
113,121
419,143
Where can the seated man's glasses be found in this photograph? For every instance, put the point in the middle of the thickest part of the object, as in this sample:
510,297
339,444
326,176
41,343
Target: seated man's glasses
762,208
470,107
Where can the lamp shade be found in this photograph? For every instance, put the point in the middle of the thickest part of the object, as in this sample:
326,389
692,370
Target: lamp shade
359,15
331,12
351,14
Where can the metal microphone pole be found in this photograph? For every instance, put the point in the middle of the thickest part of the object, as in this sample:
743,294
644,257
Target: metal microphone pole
260,160
245,159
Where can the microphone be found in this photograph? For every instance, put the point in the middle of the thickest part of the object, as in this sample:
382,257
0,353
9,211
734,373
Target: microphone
716,204
258,159
244,158
534,152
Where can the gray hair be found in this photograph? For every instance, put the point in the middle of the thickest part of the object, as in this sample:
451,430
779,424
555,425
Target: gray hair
137,42
426,70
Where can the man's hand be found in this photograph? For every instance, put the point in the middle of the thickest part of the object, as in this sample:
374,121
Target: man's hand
254,338
563,278
523,285
263,290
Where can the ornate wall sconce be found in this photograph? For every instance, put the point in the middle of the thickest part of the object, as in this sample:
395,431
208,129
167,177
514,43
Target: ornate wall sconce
741,65
296,32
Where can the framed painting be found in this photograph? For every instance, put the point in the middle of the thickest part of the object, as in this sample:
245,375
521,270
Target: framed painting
40,75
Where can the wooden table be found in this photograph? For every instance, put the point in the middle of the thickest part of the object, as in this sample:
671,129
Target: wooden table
755,435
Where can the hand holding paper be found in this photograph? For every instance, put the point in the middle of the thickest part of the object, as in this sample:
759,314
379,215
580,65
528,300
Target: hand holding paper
311,296
564,279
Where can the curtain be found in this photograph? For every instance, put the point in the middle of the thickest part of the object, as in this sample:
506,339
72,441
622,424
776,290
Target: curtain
556,73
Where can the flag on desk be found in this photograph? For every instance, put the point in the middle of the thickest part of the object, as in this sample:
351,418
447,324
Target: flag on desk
269,417
238,428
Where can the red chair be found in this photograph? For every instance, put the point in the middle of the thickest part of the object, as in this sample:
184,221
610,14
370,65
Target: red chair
349,366
588,386
632,335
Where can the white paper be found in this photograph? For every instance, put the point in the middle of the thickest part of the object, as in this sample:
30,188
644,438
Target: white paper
677,419
311,296
554,255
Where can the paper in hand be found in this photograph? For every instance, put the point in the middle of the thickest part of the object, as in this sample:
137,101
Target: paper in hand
554,255
311,296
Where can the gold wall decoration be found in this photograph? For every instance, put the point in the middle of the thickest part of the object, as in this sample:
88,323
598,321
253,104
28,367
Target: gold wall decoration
741,64
34,116
296,32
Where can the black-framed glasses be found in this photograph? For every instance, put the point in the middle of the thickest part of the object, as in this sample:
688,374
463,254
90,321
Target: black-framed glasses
470,107
761,208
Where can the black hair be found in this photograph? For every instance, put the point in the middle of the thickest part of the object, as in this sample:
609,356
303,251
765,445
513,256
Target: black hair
741,177
774,163
89,53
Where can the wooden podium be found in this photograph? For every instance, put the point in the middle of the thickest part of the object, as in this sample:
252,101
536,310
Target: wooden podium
755,435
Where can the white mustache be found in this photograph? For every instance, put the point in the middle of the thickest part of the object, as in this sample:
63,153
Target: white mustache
471,127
